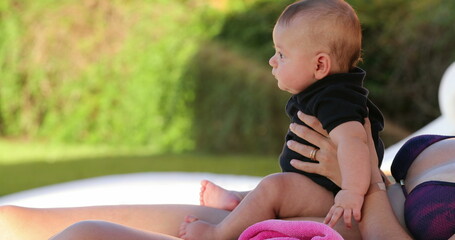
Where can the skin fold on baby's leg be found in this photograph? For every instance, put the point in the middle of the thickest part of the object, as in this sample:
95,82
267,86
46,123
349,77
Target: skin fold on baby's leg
281,195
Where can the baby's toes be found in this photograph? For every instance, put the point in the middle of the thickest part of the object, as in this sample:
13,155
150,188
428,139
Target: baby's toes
182,229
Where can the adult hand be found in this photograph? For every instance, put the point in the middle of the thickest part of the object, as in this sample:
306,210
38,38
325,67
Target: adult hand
326,155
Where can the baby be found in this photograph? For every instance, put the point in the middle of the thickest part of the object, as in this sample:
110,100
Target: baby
318,44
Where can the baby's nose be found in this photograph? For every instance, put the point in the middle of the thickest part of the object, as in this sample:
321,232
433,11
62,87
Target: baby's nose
272,61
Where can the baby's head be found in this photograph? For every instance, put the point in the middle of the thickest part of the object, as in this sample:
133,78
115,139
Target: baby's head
331,24
323,36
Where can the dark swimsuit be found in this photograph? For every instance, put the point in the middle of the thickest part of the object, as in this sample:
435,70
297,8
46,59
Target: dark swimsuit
429,209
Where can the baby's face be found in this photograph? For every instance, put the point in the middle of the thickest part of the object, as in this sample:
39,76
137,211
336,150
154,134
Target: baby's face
294,61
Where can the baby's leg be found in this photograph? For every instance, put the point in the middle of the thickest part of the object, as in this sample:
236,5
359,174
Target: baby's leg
105,230
212,195
31,223
282,195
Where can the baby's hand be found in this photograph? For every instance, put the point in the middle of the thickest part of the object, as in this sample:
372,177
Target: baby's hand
347,203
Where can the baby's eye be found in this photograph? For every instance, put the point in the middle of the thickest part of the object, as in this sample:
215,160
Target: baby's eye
280,54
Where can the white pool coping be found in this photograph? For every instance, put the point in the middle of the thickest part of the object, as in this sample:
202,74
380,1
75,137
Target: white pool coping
135,188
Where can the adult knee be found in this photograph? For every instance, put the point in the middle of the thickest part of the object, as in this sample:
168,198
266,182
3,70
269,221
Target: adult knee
11,221
8,212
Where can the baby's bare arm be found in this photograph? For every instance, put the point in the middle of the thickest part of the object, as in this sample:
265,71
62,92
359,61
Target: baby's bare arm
353,156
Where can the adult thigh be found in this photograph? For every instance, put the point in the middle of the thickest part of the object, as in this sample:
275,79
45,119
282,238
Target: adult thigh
41,223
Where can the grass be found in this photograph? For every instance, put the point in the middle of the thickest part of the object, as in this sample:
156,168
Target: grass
30,165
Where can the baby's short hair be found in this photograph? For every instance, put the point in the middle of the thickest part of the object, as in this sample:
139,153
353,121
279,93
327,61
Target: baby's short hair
333,23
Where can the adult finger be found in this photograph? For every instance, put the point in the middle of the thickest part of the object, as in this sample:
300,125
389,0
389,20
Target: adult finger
308,134
326,157
307,166
313,122
302,149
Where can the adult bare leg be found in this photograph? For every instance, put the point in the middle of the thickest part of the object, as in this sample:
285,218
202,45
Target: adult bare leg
100,230
33,223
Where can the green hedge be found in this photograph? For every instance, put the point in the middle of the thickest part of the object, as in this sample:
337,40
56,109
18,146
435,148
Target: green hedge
238,106
99,72
179,75
407,47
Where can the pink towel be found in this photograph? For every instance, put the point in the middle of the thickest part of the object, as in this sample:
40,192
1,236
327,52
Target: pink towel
289,230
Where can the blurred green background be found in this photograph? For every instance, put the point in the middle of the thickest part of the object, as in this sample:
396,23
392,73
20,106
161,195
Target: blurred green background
95,87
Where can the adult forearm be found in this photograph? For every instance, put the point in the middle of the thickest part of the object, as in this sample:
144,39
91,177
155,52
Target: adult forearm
378,220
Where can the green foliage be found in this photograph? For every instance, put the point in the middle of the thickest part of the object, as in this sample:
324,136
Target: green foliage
406,50
27,175
156,74
101,71
237,107
250,31
407,47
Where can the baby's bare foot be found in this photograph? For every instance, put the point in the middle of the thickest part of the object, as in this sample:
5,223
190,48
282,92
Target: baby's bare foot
194,229
212,195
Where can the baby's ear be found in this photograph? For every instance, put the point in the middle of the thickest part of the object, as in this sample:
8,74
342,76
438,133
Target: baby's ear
323,65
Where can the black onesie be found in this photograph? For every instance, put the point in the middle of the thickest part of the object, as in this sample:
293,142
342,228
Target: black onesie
335,99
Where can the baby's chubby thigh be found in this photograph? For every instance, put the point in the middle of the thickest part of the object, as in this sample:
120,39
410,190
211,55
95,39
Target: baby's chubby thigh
295,195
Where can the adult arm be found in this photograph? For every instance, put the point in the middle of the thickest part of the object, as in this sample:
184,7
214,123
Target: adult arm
378,221
377,210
